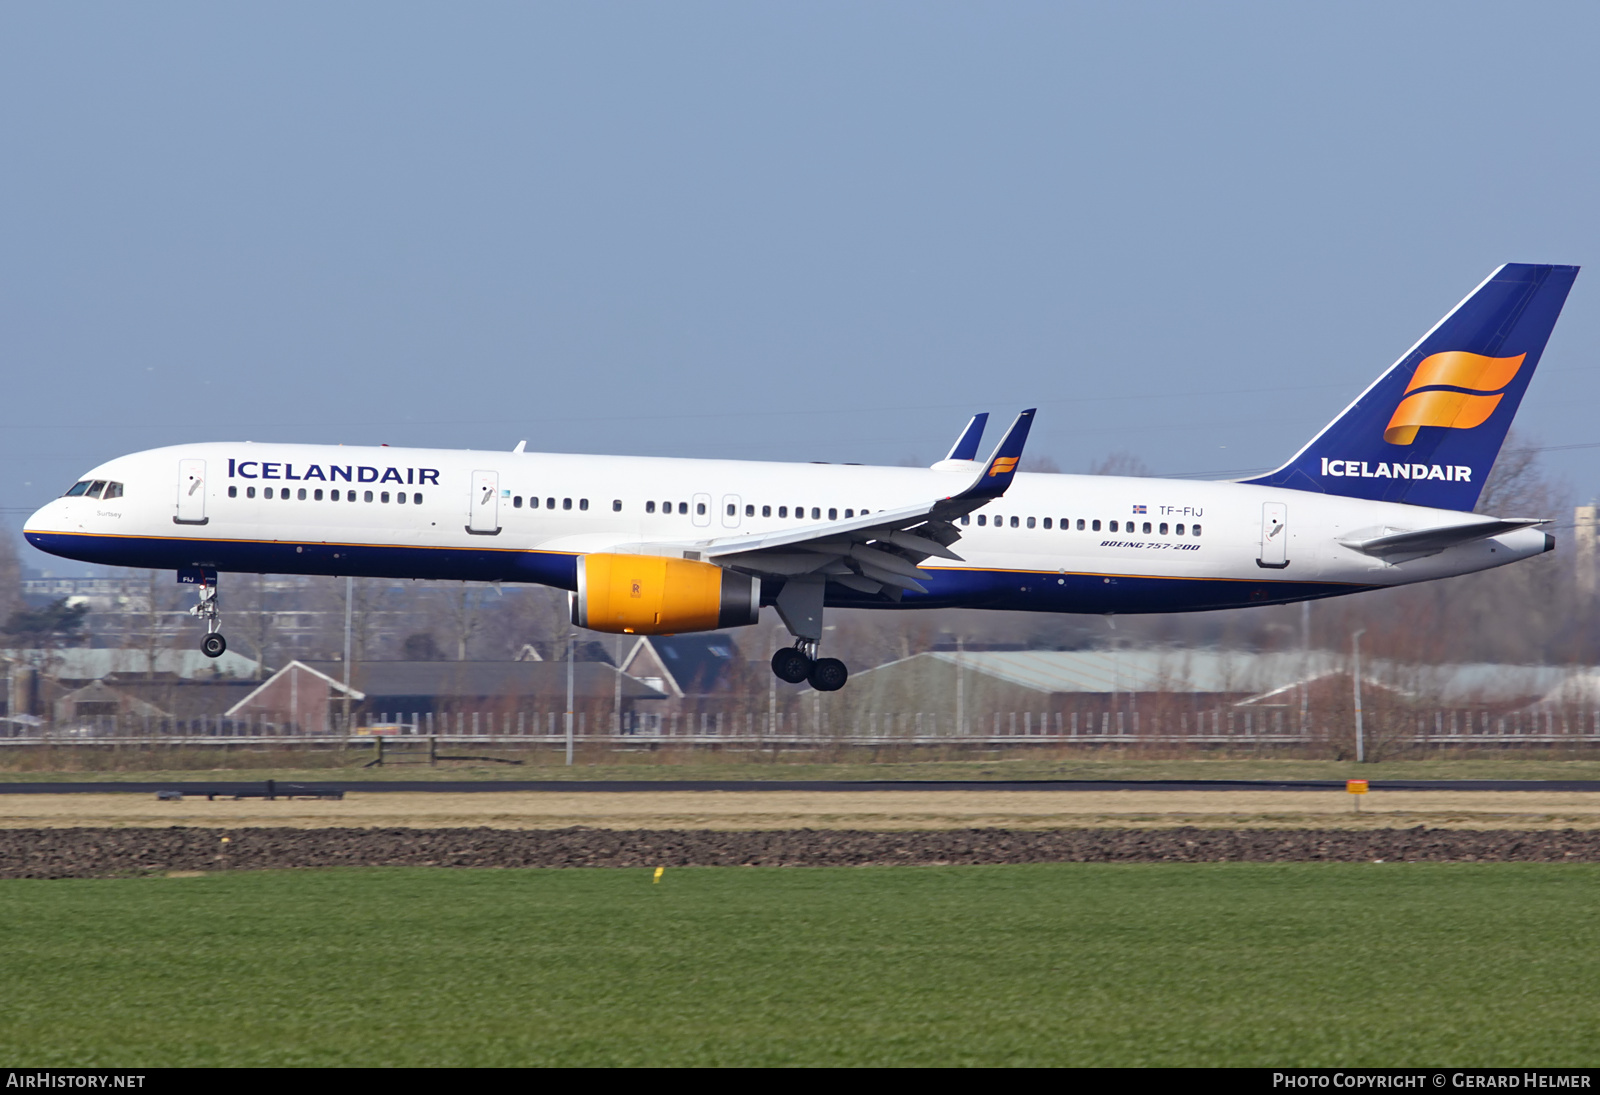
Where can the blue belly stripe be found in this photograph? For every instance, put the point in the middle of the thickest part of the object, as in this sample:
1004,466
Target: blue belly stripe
1016,591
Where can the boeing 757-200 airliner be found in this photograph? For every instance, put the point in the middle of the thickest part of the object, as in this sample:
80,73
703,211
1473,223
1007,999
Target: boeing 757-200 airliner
1383,496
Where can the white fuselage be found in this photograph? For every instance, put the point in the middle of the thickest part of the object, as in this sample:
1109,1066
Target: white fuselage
1047,545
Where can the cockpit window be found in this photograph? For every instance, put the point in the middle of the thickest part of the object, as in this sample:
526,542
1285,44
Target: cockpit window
113,490
77,488
96,487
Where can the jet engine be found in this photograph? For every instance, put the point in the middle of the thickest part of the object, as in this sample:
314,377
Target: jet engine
656,595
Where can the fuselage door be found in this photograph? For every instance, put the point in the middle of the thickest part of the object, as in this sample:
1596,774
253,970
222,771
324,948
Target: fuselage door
483,518
700,510
730,511
1274,536
191,492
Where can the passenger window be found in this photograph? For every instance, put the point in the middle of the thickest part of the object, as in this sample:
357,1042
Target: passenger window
683,509
833,514
1147,527
1194,530
384,497
233,492
849,513
1080,524
583,503
816,513
367,495
1163,528
400,496
316,495
966,518
733,510
533,502
1179,530
783,511
300,494
1030,522
982,519
566,503
616,505
1014,522
766,511
1095,525
700,509
249,492
416,498
549,503
266,492
113,490
516,501
749,511
649,507
350,496
78,488
1047,522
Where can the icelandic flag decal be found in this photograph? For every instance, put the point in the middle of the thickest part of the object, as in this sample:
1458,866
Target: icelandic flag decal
1139,509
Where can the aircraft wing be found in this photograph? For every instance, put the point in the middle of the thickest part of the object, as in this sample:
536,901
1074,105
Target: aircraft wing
1430,541
876,552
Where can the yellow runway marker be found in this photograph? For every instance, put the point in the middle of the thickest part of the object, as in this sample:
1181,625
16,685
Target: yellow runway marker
657,878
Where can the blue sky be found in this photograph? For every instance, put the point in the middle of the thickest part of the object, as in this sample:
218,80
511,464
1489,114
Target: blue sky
773,231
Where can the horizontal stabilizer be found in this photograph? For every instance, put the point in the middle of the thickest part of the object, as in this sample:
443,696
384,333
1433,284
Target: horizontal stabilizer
1431,540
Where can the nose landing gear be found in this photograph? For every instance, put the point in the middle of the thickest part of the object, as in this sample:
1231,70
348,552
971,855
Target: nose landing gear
213,645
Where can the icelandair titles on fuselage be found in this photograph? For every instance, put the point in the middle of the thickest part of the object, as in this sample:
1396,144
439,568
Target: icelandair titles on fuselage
349,473
1359,469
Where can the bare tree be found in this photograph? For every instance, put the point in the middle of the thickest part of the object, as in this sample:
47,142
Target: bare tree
1120,462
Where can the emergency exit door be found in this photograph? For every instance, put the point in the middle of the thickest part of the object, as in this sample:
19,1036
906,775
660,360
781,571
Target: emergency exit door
483,518
191,493
1274,536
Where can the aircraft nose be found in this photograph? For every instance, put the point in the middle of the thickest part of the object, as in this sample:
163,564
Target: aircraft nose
43,519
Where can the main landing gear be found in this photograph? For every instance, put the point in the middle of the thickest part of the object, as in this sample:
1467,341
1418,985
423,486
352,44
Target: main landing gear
213,645
799,605
797,664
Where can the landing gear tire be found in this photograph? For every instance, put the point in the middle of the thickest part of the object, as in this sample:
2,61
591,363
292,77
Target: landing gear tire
828,675
213,645
791,665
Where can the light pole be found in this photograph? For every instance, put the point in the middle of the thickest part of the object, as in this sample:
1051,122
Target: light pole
1355,676
349,604
572,643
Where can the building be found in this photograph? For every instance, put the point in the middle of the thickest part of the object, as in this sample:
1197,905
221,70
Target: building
685,665
444,697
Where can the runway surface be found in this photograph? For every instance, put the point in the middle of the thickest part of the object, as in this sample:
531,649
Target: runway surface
261,788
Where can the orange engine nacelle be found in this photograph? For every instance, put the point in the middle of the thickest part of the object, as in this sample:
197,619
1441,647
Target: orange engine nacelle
655,595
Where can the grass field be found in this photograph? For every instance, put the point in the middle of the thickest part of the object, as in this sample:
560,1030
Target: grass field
1218,964
862,763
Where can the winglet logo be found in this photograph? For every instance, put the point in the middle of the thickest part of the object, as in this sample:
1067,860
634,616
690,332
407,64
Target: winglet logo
1004,466
1456,410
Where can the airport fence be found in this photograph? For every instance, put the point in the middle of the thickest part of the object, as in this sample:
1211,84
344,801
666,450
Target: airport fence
813,724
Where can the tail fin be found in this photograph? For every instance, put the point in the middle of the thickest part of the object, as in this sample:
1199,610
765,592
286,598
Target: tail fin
1428,430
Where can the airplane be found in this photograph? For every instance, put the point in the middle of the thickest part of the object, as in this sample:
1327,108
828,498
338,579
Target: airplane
1381,497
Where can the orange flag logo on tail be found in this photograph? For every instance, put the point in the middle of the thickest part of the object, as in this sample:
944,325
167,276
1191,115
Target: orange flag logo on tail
1456,410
